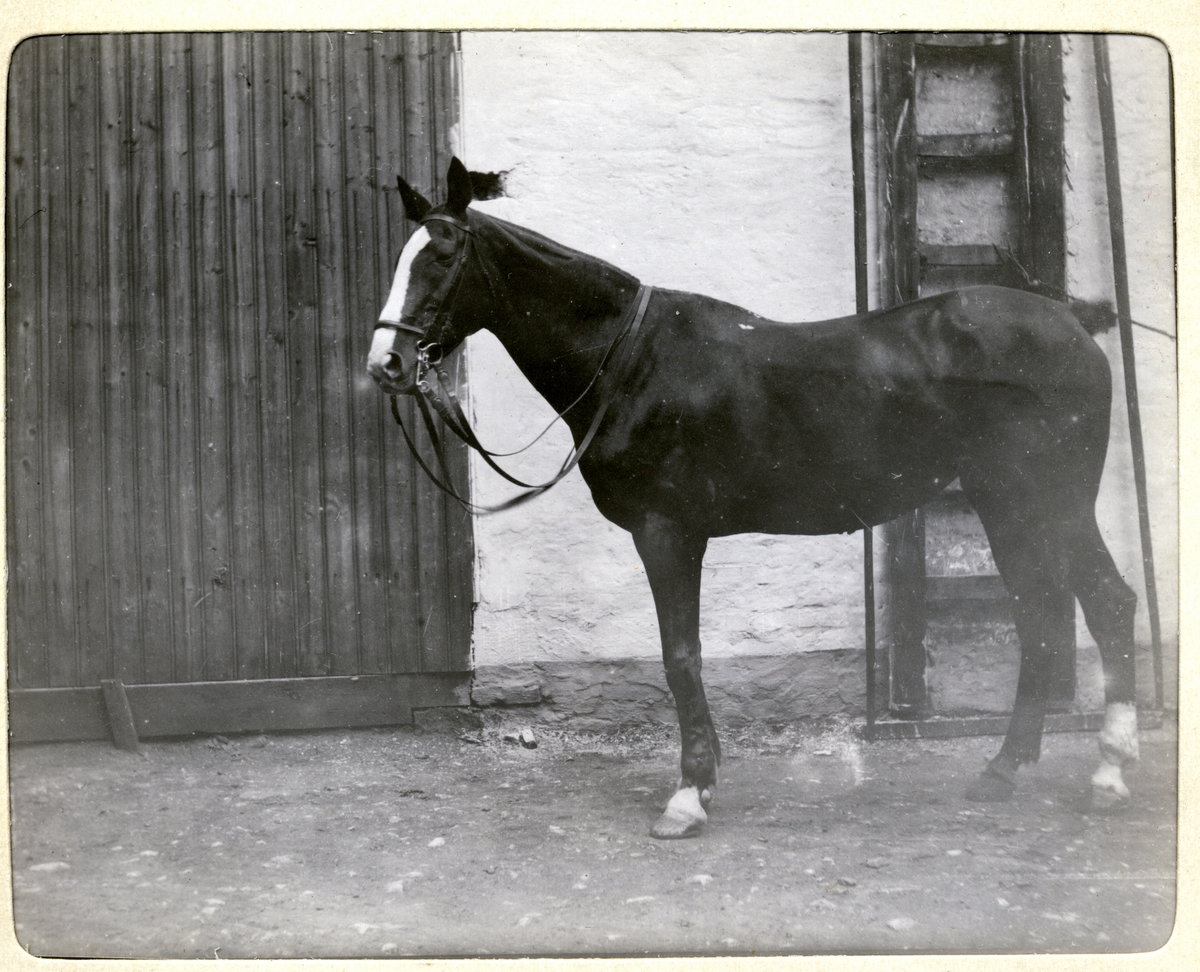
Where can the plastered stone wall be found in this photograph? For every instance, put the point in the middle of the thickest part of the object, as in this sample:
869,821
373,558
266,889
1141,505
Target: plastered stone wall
721,164
712,163
1140,73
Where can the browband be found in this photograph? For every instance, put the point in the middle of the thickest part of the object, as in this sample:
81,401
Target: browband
446,218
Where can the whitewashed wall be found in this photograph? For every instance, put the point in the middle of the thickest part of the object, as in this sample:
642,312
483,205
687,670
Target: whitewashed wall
1140,72
720,163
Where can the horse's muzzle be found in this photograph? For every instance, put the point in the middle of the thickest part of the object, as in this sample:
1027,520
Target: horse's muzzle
390,374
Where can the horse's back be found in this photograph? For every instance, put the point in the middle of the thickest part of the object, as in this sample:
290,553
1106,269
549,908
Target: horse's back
982,337
758,425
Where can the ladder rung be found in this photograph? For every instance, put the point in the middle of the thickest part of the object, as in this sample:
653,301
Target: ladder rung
963,40
960,255
968,587
969,146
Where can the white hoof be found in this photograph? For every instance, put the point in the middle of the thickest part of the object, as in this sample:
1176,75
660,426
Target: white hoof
1108,785
683,817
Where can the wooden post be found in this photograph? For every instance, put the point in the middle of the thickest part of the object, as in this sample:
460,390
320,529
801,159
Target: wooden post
861,302
120,716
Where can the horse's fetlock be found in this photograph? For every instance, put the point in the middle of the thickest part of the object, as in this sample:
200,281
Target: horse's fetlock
1119,738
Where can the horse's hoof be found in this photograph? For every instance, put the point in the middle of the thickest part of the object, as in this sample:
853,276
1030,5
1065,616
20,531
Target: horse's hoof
990,788
1106,800
683,817
1108,788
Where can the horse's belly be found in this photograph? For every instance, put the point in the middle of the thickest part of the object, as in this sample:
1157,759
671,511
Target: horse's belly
821,501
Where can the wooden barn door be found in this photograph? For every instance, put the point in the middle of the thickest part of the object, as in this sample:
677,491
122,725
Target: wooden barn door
204,487
971,192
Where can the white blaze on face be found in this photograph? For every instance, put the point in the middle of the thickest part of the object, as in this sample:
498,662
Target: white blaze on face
384,338
394,307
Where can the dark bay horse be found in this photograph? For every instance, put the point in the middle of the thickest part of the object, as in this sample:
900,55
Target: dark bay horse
711,420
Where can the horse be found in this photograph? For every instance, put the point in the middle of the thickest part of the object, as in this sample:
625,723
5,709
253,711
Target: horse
694,418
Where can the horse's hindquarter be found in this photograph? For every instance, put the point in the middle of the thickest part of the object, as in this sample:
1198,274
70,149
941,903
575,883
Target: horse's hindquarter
734,423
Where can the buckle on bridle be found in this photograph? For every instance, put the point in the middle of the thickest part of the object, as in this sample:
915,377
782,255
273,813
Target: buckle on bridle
429,355
429,352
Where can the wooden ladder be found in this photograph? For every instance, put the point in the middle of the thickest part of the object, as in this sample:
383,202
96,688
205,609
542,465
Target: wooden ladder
970,149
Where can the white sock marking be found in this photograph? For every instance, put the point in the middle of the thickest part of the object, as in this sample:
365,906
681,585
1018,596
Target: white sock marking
685,803
1119,736
1118,746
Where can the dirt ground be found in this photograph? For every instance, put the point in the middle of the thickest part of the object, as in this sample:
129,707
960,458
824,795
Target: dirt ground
410,842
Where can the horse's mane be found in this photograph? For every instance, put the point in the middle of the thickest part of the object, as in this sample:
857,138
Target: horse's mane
500,242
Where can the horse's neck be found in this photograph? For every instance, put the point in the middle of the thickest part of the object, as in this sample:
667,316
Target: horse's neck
562,316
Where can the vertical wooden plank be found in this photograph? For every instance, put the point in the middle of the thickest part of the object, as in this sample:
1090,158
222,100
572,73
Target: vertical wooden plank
333,253
906,658
460,548
421,157
25,224
365,273
900,282
85,247
300,244
397,472
283,608
211,351
897,185
119,254
245,385
1041,81
148,284
56,350
1045,97
183,436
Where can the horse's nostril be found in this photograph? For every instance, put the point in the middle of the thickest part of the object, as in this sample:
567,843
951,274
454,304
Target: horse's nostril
393,366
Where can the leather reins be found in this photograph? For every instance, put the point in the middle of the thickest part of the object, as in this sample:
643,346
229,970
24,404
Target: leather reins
434,387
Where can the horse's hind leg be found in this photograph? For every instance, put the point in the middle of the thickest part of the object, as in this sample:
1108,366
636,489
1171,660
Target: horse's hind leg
1108,606
1031,555
673,559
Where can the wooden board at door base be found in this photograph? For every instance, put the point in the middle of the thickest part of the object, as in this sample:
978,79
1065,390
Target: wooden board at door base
265,705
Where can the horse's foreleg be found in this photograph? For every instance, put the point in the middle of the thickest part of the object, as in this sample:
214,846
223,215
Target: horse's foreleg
673,559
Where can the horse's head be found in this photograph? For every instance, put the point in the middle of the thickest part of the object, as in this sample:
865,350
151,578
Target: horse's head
416,323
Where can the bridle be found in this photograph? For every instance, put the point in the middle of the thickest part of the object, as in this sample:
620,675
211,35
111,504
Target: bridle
435,388
431,352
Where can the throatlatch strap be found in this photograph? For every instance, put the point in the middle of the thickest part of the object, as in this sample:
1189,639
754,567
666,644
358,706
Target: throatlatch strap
446,402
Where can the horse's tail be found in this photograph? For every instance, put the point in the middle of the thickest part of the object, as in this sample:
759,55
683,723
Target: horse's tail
1096,316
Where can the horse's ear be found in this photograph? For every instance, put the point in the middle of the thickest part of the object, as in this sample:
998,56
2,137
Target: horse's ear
415,205
458,180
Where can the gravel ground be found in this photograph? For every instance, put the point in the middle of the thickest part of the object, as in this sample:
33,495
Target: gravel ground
394,842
